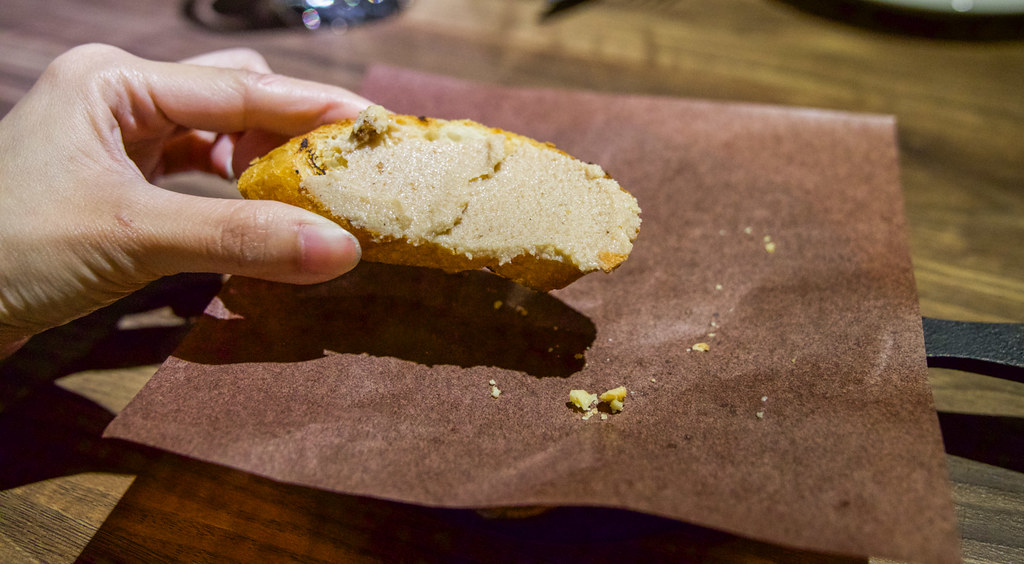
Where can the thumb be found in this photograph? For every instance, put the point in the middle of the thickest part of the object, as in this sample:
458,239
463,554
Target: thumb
261,239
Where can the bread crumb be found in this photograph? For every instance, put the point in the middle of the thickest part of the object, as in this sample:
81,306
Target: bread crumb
764,398
578,356
718,287
653,380
748,230
495,392
615,394
498,304
760,414
582,399
701,347
614,398
371,123
587,401
521,310
770,247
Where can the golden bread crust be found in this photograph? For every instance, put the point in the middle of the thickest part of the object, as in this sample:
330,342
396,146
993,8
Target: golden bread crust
280,175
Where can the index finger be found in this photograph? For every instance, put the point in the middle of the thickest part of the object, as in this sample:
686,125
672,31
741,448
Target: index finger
228,100
237,58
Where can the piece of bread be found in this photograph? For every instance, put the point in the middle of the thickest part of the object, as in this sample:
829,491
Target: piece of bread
454,195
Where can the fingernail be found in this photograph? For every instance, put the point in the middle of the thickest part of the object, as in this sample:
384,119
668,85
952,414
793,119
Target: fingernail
328,249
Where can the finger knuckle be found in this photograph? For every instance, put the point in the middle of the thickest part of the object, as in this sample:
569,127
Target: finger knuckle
85,60
258,82
243,238
249,58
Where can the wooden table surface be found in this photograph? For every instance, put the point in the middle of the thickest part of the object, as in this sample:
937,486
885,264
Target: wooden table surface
65,494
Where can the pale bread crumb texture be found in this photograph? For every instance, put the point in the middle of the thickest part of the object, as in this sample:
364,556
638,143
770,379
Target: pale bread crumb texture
615,394
614,398
582,399
371,122
456,195
585,401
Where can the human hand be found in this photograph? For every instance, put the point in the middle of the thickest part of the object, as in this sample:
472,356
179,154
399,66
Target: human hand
80,223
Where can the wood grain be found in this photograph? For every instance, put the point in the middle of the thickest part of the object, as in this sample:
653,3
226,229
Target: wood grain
67,495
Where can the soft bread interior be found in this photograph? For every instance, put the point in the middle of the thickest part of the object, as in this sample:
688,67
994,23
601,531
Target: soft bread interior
475,191
455,195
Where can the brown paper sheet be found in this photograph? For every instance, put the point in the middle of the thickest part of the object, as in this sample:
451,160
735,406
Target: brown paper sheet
809,421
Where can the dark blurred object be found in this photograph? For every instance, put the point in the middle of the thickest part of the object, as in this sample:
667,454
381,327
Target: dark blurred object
100,341
247,15
557,7
933,24
993,349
